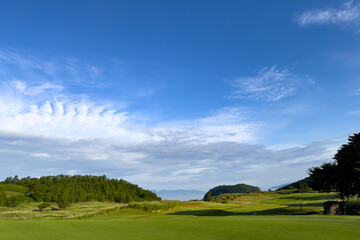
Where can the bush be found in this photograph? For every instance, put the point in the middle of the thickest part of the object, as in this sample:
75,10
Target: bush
63,204
353,207
43,205
16,200
155,206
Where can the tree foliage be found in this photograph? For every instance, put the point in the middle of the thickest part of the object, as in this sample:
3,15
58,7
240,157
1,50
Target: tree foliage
65,190
342,175
238,188
43,205
295,186
323,178
207,196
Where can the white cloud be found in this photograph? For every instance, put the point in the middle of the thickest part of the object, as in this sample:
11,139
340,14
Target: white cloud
78,117
169,165
355,112
22,87
44,130
355,92
269,84
349,13
42,155
225,125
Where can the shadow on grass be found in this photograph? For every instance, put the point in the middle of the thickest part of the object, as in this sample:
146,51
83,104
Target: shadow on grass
291,209
51,208
216,212
306,198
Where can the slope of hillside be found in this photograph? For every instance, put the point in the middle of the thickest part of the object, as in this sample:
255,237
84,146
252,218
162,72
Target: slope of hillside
294,185
238,188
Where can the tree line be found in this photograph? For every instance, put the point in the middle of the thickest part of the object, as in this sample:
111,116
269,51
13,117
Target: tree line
64,190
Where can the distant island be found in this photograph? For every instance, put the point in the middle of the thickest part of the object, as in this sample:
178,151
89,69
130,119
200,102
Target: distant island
238,188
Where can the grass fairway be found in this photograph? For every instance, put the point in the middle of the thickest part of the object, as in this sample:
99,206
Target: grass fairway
155,226
196,220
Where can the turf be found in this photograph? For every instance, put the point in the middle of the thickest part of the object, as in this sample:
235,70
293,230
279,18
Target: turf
185,227
195,220
268,203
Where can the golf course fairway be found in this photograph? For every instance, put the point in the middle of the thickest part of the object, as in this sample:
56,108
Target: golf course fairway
128,226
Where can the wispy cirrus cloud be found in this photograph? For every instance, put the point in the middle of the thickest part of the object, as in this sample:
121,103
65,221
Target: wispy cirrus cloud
355,92
46,72
349,13
354,113
25,89
270,84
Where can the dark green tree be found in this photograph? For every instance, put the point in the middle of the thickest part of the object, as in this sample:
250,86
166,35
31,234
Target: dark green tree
304,188
323,178
348,164
343,175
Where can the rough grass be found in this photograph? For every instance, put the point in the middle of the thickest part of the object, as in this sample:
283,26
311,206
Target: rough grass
31,210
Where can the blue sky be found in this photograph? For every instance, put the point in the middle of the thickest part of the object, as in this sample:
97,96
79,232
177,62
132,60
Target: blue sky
177,94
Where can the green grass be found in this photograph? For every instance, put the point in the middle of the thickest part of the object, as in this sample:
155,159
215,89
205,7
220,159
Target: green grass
267,203
194,220
156,226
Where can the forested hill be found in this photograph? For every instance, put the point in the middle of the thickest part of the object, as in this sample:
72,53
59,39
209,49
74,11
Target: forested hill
238,188
79,188
295,185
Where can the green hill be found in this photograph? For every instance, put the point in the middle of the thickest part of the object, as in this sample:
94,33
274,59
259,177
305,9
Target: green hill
238,188
15,188
65,190
295,186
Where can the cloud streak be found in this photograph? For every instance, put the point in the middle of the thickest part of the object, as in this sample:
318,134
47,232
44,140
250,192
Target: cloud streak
270,84
349,13
355,92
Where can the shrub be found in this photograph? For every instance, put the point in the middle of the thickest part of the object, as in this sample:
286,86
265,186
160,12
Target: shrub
14,201
155,206
353,207
43,205
63,204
